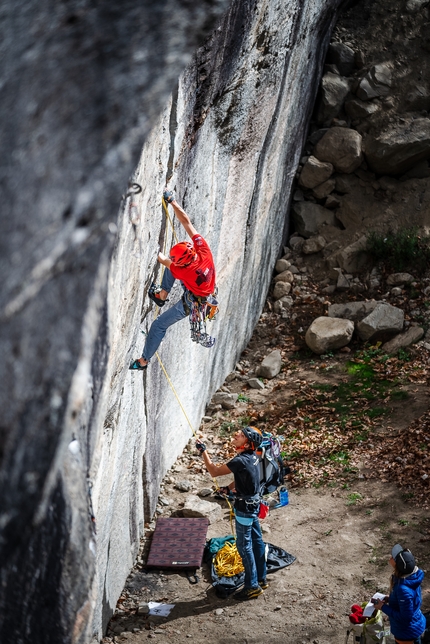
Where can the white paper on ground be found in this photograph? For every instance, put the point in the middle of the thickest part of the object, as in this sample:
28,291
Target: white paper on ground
370,607
162,610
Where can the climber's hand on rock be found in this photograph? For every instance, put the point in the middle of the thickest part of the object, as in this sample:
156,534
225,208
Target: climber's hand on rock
201,447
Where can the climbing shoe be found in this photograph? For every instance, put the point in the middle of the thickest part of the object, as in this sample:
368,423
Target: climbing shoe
136,366
168,196
153,295
248,593
263,583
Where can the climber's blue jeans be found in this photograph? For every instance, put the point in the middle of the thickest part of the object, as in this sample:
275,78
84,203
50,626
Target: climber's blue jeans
162,322
251,548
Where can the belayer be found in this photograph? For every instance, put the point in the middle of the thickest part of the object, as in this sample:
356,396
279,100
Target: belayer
245,468
192,264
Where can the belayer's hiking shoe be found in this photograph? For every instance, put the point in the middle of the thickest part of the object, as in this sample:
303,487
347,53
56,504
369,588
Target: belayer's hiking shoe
136,366
263,583
248,593
153,295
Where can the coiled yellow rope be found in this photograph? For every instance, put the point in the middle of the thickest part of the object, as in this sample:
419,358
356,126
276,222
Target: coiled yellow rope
227,561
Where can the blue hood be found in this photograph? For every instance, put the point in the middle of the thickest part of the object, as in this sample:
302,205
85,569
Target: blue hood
414,580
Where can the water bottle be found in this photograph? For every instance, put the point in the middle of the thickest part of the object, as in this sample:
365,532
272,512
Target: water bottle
283,497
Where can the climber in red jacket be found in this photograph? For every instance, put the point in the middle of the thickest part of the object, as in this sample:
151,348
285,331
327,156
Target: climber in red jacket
191,263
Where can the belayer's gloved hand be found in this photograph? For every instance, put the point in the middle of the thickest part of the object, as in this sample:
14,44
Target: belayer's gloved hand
168,196
200,446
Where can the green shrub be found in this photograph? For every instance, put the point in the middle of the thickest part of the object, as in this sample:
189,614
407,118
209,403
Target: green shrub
400,249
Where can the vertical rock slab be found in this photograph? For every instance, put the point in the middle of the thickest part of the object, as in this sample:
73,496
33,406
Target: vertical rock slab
82,85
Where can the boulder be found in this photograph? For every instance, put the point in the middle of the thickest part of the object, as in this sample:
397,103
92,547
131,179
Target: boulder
334,90
282,305
296,243
317,135
353,258
308,217
383,321
419,171
227,401
346,183
281,289
315,172
398,149
183,486
332,202
324,189
196,507
413,334
255,383
326,334
271,365
282,265
285,276
342,283
358,109
342,147
353,311
418,98
395,279
377,82
313,245
342,56
412,6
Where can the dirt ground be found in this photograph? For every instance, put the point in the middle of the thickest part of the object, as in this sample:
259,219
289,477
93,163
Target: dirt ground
342,558
340,529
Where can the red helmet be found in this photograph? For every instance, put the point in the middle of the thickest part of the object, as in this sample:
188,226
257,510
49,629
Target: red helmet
183,254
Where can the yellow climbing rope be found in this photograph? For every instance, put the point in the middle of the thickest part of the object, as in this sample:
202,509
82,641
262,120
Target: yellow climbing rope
227,561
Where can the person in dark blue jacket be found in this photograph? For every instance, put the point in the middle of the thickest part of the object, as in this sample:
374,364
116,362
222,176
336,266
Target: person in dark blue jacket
403,605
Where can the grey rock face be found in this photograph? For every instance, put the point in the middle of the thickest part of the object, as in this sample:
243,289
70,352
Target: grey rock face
271,365
82,92
342,56
315,172
412,335
342,147
334,90
308,217
326,334
384,320
397,150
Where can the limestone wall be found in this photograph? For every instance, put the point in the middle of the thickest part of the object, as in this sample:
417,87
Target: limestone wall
84,442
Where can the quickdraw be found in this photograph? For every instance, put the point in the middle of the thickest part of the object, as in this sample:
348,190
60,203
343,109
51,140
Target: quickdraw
201,310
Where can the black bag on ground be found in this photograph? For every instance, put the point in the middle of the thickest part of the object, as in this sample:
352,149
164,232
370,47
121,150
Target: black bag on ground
276,558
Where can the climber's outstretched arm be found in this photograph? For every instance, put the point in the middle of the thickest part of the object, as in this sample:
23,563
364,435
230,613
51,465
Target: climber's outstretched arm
164,260
184,219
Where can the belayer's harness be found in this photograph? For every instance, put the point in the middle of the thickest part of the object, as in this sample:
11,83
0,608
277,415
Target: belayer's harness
200,309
